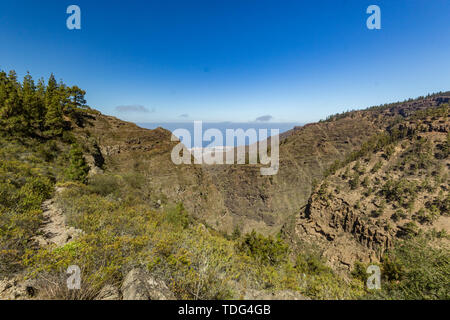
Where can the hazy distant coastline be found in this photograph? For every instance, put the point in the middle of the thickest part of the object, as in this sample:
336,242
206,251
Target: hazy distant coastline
222,126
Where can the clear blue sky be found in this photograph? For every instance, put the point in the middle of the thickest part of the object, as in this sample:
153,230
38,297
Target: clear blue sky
232,60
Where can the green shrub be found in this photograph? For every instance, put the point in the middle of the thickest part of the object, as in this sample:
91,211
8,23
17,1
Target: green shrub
366,182
354,181
415,269
264,250
377,167
388,152
48,151
311,264
236,233
397,215
78,169
399,191
323,191
409,230
177,216
103,184
360,271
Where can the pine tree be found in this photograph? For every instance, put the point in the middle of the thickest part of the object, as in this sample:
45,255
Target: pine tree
54,123
52,86
27,108
41,107
11,113
3,93
77,97
76,102
63,93
78,169
30,103
55,97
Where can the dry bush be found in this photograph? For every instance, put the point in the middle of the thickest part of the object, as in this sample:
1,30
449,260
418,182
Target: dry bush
51,286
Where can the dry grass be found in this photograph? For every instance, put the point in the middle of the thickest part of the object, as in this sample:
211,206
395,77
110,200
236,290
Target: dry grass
53,287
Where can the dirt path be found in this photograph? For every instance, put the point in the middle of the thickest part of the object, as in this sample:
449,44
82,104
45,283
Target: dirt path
53,232
54,229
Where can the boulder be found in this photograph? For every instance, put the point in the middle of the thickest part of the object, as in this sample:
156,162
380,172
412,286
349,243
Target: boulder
108,292
17,289
140,285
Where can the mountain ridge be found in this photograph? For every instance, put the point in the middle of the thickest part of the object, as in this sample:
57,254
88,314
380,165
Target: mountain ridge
78,188
230,191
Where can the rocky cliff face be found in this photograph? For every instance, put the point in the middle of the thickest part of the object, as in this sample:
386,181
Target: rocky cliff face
393,190
264,203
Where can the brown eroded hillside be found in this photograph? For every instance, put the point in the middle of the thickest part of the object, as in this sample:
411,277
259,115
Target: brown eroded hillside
229,197
395,187
265,203
121,147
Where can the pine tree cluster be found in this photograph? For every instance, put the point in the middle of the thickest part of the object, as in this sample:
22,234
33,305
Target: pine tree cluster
38,109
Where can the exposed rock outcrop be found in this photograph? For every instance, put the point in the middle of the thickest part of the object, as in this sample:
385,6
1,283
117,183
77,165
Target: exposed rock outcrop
109,292
17,289
140,285
393,190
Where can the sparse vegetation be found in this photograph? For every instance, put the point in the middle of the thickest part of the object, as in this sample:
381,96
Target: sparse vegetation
415,269
128,222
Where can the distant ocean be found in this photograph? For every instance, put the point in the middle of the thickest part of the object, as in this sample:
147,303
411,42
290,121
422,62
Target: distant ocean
222,127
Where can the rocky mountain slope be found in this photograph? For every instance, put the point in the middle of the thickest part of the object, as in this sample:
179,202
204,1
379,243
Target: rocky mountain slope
230,197
395,187
134,222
